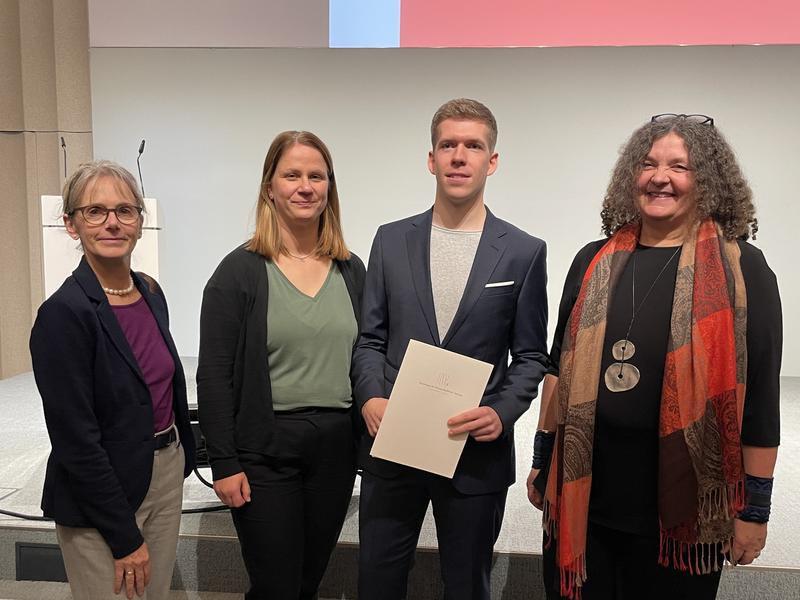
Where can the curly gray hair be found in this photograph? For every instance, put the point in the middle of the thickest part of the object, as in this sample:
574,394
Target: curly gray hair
721,189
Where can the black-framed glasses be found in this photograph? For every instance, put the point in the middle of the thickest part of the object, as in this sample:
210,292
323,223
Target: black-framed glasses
97,214
693,118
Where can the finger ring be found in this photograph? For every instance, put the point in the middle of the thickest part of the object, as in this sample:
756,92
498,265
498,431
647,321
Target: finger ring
129,572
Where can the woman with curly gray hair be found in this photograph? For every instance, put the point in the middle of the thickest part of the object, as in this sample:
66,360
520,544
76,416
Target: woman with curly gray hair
659,425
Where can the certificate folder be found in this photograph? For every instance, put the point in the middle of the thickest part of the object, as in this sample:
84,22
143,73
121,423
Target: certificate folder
432,385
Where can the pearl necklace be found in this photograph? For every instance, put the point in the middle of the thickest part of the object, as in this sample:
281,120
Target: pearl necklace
125,292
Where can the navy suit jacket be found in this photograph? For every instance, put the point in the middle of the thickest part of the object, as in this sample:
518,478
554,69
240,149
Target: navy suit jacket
98,409
490,324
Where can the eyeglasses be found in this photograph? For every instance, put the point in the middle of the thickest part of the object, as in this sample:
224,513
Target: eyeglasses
699,119
96,214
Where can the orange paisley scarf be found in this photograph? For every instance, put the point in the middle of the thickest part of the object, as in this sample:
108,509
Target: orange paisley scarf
701,476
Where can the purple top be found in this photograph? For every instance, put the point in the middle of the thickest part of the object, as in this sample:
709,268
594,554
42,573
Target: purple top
151,352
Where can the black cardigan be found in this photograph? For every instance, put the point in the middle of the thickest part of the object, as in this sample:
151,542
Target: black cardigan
234,396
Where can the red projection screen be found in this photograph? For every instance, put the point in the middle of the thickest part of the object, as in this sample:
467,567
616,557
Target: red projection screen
487,23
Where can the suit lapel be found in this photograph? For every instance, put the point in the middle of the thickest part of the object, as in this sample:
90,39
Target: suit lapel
91,287
490,250
418,244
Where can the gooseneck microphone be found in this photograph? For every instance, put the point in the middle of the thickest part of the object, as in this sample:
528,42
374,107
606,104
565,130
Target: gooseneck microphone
141,151
64,148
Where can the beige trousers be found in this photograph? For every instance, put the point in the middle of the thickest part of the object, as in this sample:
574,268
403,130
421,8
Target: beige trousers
88,559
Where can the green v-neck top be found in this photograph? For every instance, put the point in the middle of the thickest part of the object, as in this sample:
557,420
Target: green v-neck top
309,342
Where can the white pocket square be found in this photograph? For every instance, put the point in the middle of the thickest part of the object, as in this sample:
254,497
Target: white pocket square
499,284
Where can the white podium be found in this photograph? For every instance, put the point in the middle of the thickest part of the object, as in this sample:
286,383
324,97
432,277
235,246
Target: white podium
61,254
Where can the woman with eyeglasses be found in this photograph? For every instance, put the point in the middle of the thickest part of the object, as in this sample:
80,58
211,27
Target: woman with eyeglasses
114,399
659,421
277,327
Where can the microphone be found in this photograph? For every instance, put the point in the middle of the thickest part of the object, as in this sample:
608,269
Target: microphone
141,151
64,148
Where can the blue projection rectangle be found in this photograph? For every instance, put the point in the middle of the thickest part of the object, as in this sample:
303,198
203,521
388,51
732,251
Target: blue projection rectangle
364,24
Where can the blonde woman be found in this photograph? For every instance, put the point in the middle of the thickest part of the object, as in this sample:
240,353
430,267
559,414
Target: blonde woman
278,323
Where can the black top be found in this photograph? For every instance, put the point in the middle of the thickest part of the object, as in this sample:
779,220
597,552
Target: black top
625,460
234,397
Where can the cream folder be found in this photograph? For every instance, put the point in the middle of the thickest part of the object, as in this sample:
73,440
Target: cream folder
432,385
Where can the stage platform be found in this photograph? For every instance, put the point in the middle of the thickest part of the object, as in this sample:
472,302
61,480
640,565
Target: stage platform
208,554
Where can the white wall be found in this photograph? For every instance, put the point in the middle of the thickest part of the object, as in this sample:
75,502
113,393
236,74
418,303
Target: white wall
209,115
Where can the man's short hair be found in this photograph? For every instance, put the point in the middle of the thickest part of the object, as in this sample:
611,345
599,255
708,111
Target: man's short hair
464,109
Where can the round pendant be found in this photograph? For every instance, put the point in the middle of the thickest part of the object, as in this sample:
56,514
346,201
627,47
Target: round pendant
621,377
623,350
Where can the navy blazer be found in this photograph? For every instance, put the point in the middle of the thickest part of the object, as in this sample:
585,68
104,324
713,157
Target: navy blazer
98,409
490,324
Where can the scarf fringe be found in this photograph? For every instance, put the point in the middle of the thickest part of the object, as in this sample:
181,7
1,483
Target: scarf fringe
573,575
694,545
572,578
739,494
697,558
548,524
721,503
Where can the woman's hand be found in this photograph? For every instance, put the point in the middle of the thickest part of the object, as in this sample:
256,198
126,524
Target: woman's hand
534,496
233,491
134,569
749,540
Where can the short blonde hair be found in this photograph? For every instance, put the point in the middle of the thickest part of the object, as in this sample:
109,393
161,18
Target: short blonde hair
266,239
86,173
464,109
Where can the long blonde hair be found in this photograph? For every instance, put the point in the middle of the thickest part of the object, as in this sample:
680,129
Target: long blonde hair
266,239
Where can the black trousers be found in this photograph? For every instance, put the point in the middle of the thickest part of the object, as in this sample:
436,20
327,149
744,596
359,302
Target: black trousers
391,512
624,566
299,500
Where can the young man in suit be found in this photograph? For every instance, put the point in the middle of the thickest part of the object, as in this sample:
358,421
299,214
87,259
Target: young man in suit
456,277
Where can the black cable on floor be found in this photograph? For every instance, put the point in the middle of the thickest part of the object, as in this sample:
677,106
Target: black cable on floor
202,479
204,509
22,516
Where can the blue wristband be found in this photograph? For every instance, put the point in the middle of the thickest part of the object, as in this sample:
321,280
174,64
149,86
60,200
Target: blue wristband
758,497
542,448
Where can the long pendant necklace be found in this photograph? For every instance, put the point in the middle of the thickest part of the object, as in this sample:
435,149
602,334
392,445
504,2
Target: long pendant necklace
622,376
